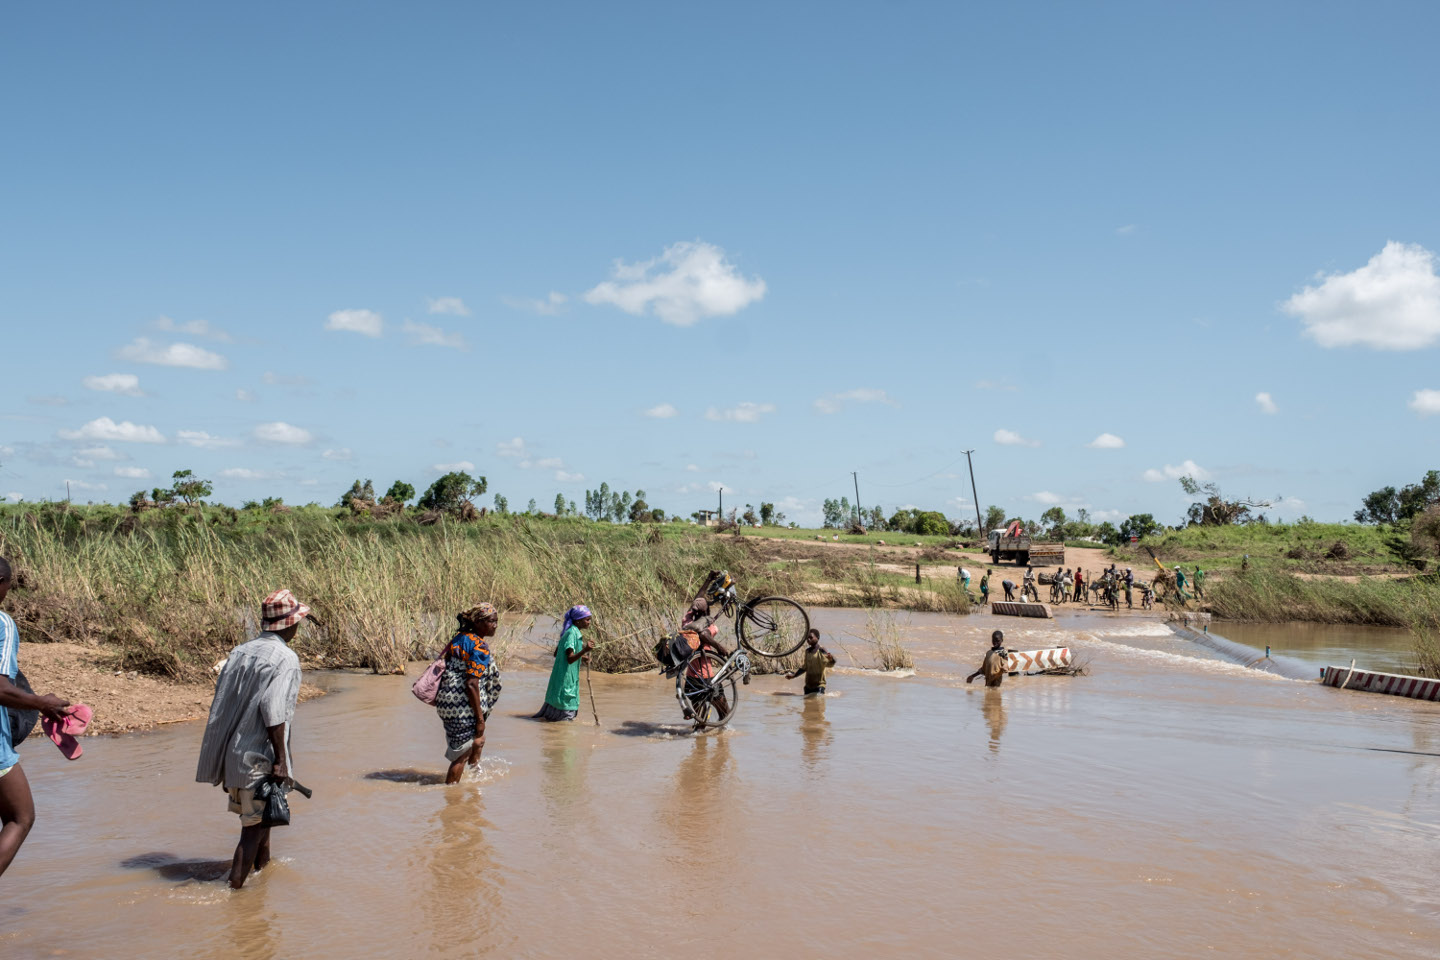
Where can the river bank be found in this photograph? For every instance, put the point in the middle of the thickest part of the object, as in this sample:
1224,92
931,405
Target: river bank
1150,808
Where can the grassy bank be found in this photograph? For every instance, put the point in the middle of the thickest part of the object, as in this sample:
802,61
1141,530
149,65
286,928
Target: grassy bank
1333,548
169,592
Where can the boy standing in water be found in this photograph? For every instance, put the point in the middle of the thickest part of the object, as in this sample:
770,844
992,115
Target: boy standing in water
817,659
993,666
985,588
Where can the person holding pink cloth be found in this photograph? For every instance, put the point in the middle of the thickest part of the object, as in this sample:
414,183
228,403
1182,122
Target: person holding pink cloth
17,806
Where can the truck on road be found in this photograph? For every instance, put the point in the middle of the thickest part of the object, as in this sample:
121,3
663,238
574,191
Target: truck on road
1011,545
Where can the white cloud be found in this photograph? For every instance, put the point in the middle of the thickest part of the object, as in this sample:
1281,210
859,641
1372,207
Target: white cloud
199,438
193,328
449,306
424,335
1425,402
1128,229
143,350
1291,504
101,452
126,384
463,466
550,306
1188,468
1266,402
132,473
85,486
564,477
663,411
834,402
1391,303
106,429
1114,516
693,280
1106,441
511,448
285,380
6,451
365,322
340,454
282,433
549,463
746,412
14,497
1045,497
1009,438
692,468
245,473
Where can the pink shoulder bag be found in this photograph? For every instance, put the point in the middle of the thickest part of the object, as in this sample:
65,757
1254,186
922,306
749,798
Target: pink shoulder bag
427,685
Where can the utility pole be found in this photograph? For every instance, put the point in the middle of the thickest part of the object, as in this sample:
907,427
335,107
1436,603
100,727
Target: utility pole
859,514
979,524
720,514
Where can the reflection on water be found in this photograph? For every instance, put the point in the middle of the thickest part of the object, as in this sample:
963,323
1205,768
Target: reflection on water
1156,806
993,706
1386,649
815,736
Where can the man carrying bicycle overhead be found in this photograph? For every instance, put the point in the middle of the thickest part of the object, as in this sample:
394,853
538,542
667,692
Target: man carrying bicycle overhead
699,630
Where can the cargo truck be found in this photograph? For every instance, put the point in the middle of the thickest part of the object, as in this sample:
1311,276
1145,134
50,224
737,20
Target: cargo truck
1011,545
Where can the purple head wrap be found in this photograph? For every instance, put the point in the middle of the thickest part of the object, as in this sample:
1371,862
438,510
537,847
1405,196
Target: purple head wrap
577,612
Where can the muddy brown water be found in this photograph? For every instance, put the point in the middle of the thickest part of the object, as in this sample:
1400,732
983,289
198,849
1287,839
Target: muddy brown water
1169,804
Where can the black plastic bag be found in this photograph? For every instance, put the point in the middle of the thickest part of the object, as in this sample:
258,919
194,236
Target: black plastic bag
22,722
272,792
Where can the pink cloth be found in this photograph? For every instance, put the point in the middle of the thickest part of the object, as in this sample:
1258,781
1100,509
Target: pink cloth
77,718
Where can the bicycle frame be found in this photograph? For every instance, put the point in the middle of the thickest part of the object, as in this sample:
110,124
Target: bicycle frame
738,661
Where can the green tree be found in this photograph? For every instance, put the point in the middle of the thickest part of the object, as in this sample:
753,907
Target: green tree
1054,521
640,510
357,491
188,488
530,509
994,519
931,523
559,504
400,492
1215,510
502,506
451,492
767,513
1107,533
1138,525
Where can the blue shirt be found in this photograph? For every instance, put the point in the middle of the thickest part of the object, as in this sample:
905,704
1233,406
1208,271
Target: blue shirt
9,666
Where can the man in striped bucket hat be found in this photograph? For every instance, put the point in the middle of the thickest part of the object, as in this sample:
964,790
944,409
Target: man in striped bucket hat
247,738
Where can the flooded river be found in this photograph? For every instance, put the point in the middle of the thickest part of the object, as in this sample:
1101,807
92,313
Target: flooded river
1168,804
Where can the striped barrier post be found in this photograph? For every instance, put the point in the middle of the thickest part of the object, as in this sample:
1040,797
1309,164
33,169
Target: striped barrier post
1030,661
1372,681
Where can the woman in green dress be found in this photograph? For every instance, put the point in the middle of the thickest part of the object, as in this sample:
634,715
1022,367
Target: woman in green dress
562,697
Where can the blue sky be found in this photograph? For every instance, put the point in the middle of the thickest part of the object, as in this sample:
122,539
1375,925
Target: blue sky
760,246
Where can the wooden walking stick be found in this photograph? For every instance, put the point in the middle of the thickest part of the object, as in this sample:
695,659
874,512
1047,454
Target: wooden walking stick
593,711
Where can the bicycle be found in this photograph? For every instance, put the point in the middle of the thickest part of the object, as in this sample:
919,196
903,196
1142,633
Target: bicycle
710,701
765,626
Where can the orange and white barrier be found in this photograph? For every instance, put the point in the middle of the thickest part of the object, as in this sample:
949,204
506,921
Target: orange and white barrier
1371,681
1027,661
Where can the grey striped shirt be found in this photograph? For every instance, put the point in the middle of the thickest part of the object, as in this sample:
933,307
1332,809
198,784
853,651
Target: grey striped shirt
256,689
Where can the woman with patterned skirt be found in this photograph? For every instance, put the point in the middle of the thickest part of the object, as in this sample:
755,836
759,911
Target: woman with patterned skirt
469,688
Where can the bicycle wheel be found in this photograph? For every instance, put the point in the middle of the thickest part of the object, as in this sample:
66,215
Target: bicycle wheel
772,626
712,702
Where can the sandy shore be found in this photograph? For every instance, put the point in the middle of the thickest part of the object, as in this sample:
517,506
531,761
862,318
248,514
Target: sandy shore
122,701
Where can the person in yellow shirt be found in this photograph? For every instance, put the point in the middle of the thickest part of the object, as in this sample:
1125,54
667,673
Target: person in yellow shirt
817,660
992,668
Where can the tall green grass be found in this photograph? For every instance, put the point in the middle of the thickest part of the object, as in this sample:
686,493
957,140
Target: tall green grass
172,592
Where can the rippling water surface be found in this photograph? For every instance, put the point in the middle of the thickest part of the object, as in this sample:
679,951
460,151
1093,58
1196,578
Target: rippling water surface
1170,803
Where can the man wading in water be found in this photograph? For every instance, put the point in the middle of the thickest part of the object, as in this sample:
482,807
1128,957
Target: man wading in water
247,738
817,659
993,666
